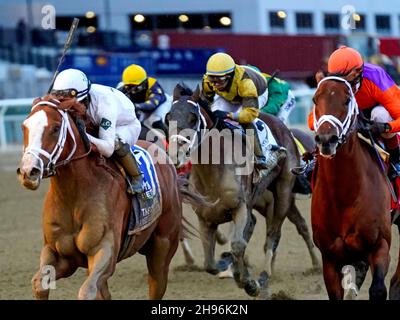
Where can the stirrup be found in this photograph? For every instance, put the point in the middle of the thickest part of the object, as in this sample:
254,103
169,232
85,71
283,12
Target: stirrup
135,184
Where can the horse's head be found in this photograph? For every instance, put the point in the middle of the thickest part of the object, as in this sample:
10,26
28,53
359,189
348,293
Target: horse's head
335,114
185,122
46,143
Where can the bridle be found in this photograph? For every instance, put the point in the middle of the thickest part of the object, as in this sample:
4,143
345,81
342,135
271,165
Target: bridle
53,157
201,125
346,126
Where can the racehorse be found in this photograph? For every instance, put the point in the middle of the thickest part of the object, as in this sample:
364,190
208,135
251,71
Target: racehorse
86,210
350,206
235,195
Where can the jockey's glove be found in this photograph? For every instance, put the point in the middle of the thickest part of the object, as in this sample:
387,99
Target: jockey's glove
221,114
379,127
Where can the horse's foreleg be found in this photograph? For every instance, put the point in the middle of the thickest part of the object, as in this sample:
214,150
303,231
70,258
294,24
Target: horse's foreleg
208,239
394,292
297,219
158,261
332,278
101,265
379,263
52,267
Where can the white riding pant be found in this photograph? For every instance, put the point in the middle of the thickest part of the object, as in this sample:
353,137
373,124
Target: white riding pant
265,136
287,107
380,114
129,133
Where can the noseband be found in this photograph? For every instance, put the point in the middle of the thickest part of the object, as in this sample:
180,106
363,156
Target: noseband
344,127
201,122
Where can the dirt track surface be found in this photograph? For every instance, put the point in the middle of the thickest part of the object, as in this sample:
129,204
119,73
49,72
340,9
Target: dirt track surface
21,242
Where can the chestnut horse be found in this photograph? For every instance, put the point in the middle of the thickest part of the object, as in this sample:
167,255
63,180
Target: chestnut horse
350,206
86,210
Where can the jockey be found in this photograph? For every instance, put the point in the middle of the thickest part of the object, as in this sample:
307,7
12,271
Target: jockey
237,92
147,95
281,100
112,112
376,94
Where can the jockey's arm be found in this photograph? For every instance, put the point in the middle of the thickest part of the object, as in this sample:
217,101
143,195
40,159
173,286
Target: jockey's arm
250,109
107,119
277,96
156,98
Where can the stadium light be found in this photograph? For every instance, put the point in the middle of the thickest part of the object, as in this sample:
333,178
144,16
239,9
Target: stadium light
91,29
90,14
225,21
183,18
356,17
281,14
139,18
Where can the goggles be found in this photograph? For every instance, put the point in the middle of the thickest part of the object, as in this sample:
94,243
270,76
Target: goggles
66,93
217,79
131,88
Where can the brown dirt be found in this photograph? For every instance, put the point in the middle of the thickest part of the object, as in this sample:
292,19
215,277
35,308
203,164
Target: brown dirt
21,241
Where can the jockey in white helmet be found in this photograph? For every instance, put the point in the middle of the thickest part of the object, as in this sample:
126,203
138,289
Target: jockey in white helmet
112,112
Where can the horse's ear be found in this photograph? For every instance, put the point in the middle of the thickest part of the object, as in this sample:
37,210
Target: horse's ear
196,94
167,118
177,92
319,76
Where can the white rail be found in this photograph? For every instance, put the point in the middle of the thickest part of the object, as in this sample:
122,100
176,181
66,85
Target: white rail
14,111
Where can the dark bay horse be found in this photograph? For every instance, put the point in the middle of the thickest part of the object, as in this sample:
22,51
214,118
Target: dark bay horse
350,206
86,209
235,194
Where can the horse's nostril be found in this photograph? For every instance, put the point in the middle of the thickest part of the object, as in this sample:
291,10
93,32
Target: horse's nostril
35,173
333,139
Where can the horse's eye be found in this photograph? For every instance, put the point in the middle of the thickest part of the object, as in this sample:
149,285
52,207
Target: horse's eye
55,129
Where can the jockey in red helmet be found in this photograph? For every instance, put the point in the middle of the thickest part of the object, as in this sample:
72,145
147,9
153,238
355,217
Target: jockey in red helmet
377,95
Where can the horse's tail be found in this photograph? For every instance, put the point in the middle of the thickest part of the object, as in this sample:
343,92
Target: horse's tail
194,198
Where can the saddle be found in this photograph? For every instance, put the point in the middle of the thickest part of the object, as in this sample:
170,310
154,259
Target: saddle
146,207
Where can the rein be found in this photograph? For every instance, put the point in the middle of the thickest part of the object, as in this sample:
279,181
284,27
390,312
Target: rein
53,157
346,126
201,122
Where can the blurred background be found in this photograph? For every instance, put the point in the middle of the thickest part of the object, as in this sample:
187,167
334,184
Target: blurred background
172,40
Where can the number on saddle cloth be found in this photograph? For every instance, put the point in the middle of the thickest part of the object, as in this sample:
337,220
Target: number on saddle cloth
146,207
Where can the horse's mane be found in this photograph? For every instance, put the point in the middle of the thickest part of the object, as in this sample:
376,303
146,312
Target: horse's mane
70,104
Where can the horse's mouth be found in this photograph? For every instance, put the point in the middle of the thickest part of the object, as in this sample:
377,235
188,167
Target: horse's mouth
327,152
31,183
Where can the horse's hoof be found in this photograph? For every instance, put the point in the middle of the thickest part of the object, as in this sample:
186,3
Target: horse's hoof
212,271
226,274
252,288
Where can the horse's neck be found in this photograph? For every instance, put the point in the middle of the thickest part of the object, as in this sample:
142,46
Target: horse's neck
76,176
351,163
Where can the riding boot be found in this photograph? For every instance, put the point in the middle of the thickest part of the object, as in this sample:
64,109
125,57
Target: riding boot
275,153
127,160
394,159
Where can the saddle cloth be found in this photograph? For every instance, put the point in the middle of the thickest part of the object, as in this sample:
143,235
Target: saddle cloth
146,207
264,133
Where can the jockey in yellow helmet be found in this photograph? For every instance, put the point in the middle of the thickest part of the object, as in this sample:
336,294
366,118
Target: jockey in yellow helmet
238,92
147,94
